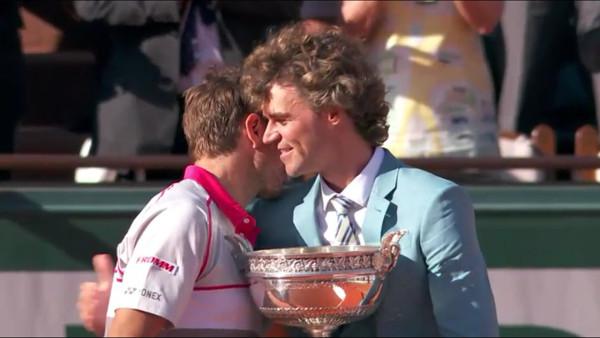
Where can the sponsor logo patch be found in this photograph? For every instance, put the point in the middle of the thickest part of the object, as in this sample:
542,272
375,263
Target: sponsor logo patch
159,263
129,291
143,292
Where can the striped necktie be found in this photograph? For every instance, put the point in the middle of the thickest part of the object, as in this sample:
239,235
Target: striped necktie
346,233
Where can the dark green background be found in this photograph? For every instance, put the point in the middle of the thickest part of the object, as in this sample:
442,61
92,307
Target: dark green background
528,226
60,228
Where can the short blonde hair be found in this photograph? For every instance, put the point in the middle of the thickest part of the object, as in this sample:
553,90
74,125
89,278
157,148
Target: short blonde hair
214,113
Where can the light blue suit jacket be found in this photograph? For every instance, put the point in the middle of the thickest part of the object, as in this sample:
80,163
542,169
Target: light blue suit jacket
439,285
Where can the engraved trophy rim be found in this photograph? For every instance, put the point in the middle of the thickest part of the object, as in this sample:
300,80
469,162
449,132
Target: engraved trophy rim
315,251
320,262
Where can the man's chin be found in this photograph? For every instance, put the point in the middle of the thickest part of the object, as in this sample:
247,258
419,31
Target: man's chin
293,172
299,174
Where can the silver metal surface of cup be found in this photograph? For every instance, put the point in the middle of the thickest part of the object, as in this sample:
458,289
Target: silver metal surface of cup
318,288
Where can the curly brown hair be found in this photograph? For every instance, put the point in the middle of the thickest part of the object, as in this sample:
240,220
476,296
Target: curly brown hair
329,69
214,112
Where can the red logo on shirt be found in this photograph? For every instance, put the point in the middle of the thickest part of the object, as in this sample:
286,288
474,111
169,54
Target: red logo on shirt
159,263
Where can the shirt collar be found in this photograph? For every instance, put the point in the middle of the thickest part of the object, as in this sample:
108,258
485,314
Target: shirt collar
242,221
360,187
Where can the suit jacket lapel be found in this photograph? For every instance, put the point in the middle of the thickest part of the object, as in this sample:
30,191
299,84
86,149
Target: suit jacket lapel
305,216
380,215
380,211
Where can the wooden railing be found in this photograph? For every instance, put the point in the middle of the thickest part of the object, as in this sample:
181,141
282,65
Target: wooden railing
583,164
543,139
60,162
586,144
542,143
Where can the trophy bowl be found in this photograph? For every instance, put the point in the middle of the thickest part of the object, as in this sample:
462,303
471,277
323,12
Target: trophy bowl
320,288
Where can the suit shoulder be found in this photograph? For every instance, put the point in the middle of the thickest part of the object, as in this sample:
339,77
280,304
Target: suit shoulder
411,178
424,179
419,187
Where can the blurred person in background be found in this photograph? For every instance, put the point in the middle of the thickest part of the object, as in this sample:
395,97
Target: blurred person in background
200,50
243,24
430,56
588,31
328,12
219,32
160,48
12,85
545,79
200,45
137,110
320,13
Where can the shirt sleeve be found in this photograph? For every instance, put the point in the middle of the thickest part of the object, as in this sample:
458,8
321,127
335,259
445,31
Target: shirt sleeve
160,275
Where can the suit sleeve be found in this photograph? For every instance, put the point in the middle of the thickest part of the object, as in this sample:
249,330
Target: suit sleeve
461,295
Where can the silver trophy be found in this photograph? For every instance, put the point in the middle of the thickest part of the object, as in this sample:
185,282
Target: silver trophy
317,288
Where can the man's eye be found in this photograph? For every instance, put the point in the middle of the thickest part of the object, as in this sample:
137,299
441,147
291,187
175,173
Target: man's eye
282,122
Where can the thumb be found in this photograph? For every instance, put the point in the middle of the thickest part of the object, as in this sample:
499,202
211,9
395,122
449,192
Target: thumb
104,268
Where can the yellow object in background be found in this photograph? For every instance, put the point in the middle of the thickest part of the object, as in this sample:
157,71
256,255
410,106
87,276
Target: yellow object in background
439,86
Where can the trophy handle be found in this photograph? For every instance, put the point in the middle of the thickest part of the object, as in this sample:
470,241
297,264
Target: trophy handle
384,261
388,254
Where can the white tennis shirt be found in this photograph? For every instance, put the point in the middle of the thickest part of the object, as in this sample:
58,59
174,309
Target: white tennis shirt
174,261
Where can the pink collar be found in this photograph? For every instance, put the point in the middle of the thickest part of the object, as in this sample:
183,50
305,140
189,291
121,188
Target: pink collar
243,223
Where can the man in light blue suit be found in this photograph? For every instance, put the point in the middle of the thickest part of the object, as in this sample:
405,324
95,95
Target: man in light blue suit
326,112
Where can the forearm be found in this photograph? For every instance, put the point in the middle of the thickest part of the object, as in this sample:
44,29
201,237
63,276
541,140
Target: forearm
360,17
482,16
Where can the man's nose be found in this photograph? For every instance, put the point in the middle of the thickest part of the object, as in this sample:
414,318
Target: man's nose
271,134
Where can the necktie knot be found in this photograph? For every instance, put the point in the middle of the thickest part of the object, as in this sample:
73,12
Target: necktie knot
342,205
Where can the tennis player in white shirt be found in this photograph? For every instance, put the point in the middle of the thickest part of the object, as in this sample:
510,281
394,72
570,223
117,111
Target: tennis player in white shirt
175,274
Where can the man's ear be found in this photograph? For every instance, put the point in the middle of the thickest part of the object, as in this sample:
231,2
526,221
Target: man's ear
255,128
334,115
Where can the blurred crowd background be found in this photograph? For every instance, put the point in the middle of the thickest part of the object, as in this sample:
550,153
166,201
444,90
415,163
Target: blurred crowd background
472,79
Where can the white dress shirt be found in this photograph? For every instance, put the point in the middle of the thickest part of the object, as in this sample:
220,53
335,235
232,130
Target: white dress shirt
358,191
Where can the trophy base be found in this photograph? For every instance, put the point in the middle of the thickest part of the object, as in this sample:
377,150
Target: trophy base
324,331
317,321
